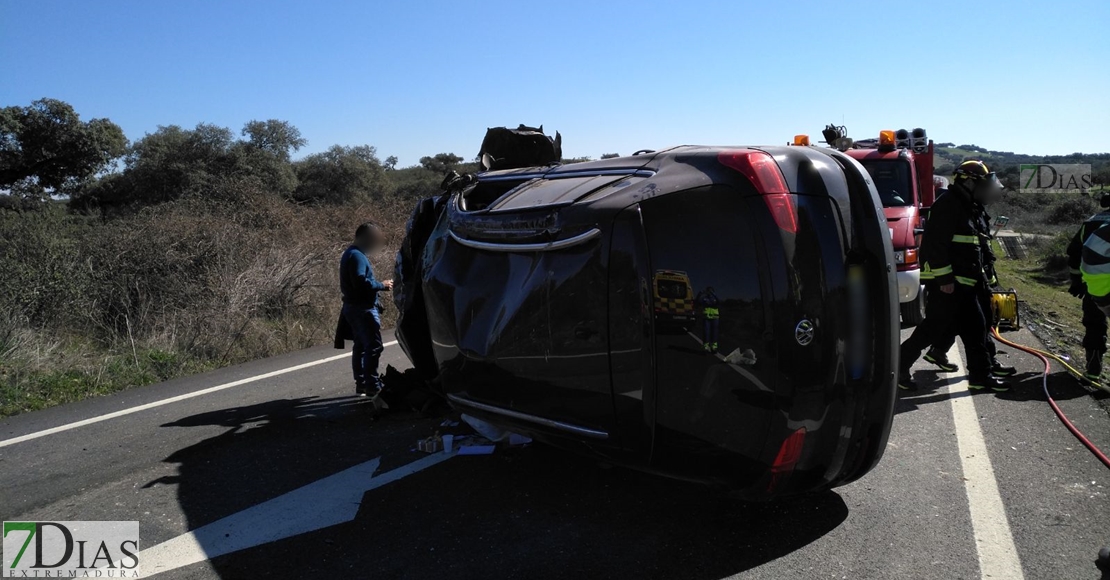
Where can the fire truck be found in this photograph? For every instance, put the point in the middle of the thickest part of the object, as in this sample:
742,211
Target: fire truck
900,163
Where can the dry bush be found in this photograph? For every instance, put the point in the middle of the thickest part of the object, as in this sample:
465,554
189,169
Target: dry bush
228,281
93,304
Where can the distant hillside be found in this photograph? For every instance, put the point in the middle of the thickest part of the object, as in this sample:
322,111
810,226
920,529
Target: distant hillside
1057,214
1006,163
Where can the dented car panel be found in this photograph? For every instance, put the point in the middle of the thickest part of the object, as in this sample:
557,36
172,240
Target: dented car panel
538,301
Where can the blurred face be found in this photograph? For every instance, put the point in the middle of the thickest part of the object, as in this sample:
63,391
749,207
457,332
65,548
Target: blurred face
988,190
370,241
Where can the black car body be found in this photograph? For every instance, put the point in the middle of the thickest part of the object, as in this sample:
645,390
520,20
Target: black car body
528,295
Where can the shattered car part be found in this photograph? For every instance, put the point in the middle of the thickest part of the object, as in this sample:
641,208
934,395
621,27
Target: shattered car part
505,148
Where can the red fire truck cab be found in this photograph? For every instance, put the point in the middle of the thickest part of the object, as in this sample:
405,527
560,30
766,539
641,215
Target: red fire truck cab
900,164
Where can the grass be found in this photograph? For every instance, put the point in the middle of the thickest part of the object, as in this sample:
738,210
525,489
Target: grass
1046,308
26,386
1053,315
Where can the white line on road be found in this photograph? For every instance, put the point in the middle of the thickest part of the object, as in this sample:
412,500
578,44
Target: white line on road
998,557
121,413
324,503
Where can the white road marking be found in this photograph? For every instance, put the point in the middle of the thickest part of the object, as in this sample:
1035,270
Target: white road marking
994,543
321,504
121,413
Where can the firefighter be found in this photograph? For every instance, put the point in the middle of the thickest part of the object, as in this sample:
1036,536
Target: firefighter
709,304
953,271
937,355
1094,321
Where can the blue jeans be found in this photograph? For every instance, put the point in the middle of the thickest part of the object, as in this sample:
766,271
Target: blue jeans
366,326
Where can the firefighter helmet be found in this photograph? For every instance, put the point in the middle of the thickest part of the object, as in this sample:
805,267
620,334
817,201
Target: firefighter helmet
983,183
972,169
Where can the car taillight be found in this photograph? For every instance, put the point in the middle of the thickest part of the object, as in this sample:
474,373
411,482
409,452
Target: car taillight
760,168
789,452
782,208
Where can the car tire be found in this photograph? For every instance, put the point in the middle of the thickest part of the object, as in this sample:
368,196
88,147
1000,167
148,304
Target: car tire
914,312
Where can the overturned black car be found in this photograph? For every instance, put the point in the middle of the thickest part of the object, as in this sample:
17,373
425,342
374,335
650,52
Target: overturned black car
722,314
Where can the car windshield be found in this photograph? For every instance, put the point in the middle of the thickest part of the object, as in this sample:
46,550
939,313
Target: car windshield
892,180
671,289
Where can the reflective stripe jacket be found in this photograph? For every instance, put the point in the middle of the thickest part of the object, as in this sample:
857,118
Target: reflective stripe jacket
952,247
708,303
1095,264
985,247
1075,248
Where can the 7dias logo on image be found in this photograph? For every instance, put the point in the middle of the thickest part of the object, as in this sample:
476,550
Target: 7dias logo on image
71,550
1054,178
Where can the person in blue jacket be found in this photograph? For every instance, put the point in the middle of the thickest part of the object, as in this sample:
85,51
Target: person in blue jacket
361,309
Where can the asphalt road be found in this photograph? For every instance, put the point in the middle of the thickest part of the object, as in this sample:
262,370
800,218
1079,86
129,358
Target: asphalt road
224,459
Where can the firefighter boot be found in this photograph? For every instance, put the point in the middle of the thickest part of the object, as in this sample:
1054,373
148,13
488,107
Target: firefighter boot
988,382
1000,370
940,360
905,380
1094,366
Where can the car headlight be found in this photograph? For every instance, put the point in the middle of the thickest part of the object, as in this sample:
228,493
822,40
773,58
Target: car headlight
899,257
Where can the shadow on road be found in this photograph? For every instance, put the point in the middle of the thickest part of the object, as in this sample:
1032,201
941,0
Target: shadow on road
1062,386
532,512
929,385
1023,387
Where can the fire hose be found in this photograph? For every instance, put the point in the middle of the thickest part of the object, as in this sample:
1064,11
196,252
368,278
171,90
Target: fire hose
1044,356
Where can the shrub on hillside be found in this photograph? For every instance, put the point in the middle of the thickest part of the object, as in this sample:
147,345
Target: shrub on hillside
1071,211
103,303
206,161
41,269
341,175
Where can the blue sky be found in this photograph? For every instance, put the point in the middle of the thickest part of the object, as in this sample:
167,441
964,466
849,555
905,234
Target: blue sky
414,78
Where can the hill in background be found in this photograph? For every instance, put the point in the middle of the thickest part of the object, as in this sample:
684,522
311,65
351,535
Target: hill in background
1006,163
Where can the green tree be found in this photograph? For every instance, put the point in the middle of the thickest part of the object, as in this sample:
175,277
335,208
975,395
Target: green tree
441,162
45,148
207,160
265,156
270,172
1101,176
391,162
280,138
341,174
173,162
